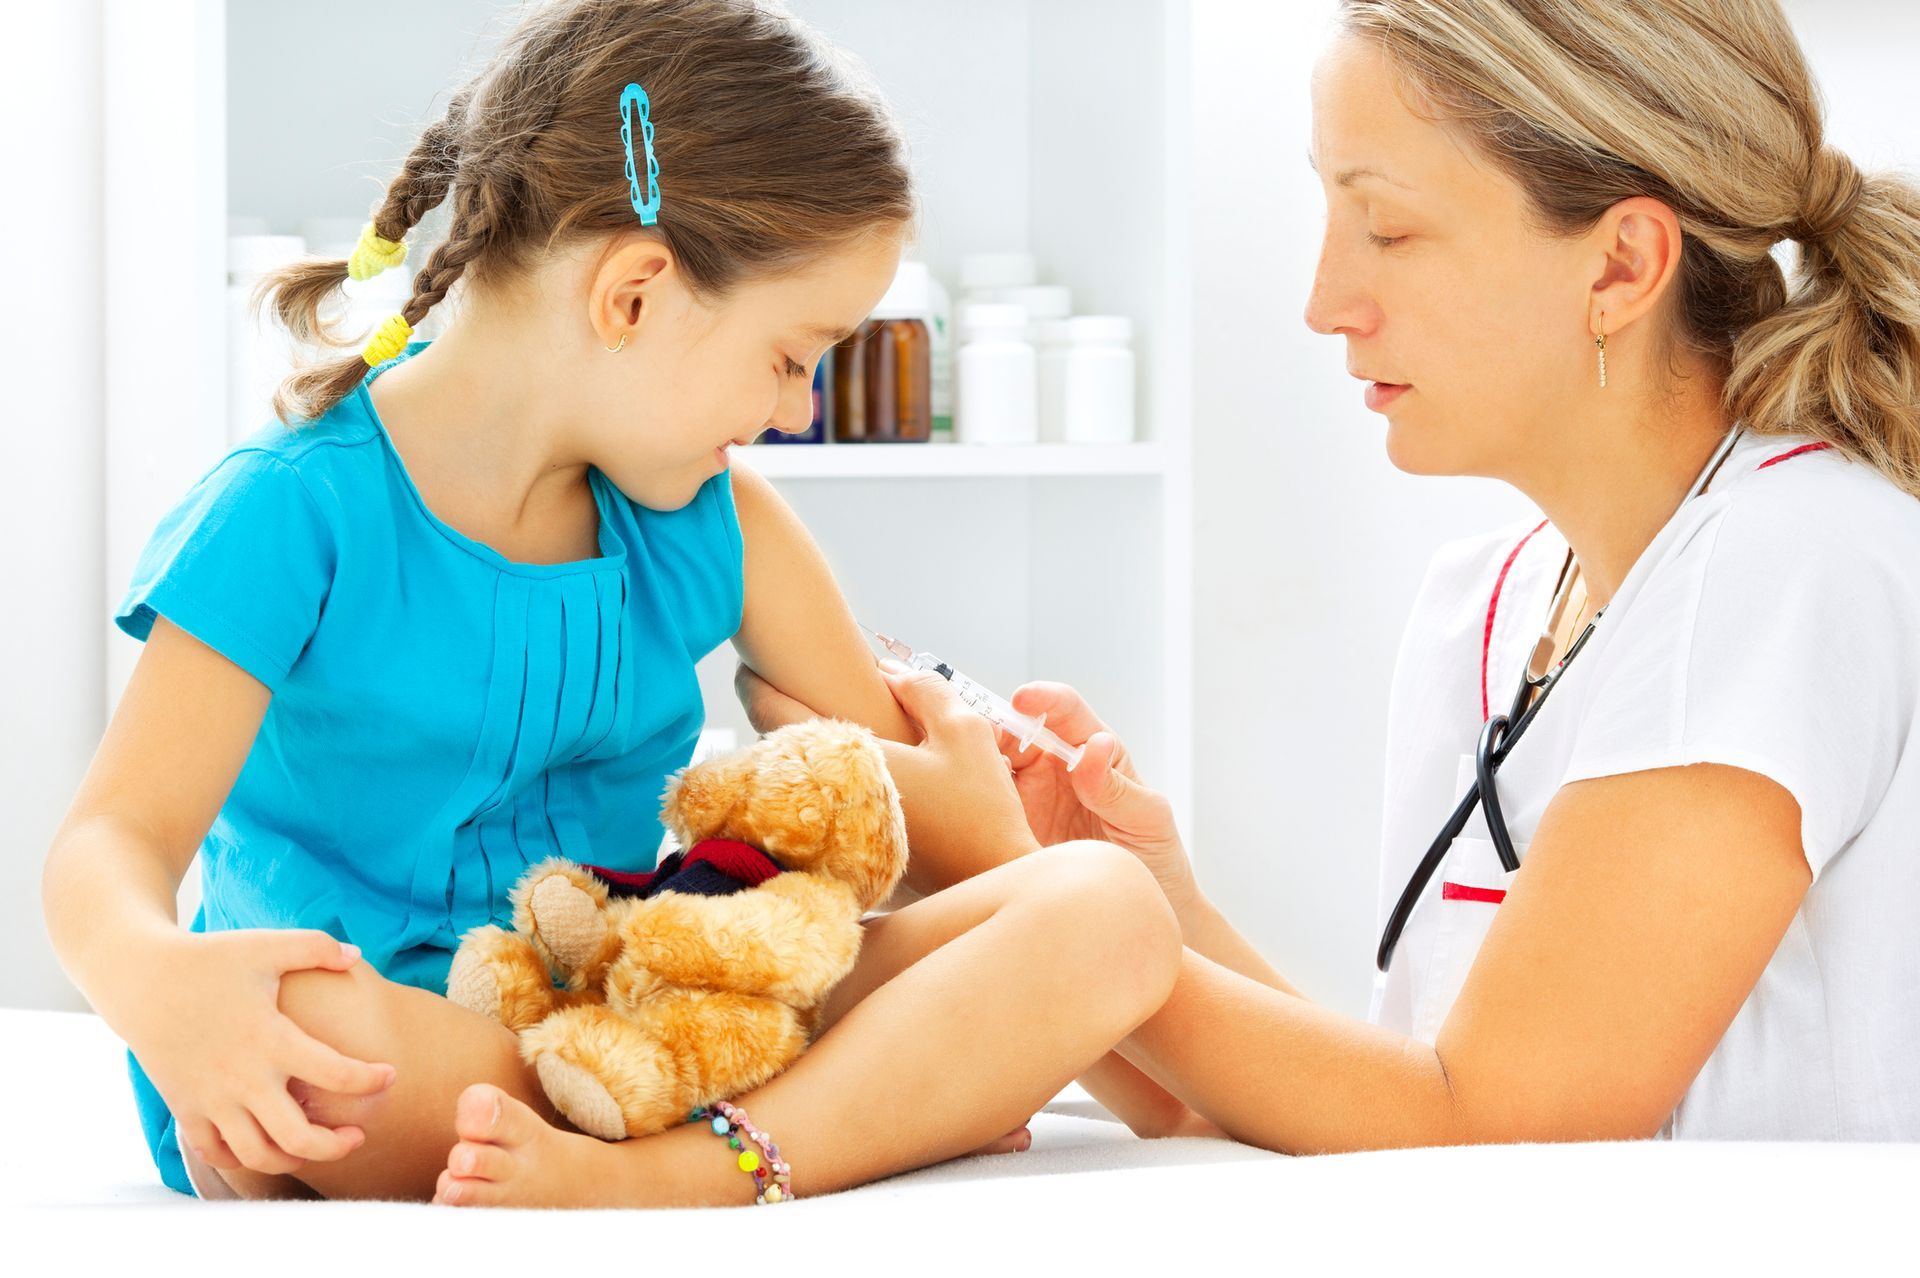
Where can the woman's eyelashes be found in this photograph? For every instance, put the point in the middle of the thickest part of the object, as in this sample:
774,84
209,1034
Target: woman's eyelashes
1385,241
793,369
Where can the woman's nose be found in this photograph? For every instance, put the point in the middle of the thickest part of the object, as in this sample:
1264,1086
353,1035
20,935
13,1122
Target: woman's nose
1335,304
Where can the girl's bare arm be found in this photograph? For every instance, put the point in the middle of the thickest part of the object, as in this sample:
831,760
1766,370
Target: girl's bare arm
796,630
798,636
199,1011
168,759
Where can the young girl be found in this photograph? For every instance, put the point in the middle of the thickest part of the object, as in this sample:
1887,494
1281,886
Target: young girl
1549,247
441,620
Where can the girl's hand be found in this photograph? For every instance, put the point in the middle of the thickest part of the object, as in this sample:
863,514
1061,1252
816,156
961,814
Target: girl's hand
969,815
222,1054
1102,798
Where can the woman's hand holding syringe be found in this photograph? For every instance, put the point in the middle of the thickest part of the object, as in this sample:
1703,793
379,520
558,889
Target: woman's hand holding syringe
1076,780
1030,731
1086,789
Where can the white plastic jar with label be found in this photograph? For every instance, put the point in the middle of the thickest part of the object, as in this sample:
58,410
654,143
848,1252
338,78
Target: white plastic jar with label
1086,372
995,377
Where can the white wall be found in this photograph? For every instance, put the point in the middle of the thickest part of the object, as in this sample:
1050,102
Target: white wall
355,102
1309,545
52,647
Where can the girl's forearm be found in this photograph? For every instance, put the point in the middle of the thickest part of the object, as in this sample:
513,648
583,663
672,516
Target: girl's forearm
109,897
949,841
1274,1070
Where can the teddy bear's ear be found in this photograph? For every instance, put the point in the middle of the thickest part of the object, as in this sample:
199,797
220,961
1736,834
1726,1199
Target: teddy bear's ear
791,812
700,800
867,847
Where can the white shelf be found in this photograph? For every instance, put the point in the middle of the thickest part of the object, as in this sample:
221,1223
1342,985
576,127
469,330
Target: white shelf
950,461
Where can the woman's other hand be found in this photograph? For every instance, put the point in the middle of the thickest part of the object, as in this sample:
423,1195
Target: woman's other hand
1102,798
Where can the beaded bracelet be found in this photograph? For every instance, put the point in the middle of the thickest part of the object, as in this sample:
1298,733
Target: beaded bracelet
772,1178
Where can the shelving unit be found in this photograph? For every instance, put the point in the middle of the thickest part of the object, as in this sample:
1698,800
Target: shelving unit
1041,125
950,461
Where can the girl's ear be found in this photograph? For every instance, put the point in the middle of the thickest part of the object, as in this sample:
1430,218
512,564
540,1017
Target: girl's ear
627,286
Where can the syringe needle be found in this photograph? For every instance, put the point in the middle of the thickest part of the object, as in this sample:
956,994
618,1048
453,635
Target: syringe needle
892,645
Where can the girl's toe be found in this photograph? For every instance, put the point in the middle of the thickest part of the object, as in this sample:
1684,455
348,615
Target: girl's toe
487,1115
477,1112
471,1193
479,1161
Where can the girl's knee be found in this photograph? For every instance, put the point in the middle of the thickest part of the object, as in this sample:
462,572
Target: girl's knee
348,1011
352,1013
1109,913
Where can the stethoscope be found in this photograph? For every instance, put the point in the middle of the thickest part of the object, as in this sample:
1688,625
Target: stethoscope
1499,734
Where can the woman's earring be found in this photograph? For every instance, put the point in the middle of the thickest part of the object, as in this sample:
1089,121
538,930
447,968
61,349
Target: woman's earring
1600,343
623,341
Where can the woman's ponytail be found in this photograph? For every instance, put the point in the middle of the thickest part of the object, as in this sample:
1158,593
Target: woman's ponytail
1840,360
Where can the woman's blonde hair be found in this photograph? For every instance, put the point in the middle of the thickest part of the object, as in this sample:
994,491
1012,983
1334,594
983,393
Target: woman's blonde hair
1707,106
773,148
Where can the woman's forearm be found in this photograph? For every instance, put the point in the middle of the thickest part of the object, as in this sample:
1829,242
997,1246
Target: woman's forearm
1207,932
1150,1110
1272,1069
1138,1101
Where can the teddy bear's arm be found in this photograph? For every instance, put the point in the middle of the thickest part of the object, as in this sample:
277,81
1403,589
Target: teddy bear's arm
792,938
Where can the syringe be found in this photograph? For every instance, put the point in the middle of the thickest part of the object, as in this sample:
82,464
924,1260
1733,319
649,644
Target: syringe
1029,730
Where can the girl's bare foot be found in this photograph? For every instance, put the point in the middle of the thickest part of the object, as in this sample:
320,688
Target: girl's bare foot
508,1156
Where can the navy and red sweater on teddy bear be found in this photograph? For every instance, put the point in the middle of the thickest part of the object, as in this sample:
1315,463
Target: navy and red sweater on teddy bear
712,867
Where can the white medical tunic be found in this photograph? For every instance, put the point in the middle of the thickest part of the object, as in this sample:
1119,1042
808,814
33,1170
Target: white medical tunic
1773,624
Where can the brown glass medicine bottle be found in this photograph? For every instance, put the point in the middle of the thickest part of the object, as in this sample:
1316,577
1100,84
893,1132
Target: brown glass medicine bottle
883,374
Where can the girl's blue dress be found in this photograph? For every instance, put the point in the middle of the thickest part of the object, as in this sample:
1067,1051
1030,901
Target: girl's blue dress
442,716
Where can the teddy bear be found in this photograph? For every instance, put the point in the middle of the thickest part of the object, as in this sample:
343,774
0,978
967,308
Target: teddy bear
638,998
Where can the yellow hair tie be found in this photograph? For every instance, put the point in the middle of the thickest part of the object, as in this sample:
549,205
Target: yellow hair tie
374,254
388,340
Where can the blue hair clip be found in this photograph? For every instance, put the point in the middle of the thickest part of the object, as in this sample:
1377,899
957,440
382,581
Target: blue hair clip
649,207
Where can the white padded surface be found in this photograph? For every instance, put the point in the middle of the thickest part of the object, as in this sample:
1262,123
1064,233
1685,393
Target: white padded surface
79,1190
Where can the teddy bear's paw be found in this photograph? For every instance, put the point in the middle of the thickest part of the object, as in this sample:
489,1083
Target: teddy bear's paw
569,922
583,1098
471,980
609,1077
497,974
520,896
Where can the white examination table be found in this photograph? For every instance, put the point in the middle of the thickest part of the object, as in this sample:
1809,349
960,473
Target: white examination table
79,1195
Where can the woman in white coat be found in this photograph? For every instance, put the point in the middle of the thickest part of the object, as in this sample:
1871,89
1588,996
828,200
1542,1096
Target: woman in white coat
1547,251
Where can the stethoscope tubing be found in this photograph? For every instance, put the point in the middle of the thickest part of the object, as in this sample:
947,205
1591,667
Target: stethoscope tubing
1494,745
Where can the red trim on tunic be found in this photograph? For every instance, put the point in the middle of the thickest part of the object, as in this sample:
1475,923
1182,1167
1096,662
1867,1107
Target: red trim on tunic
1793,452
1465,892
1493,606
